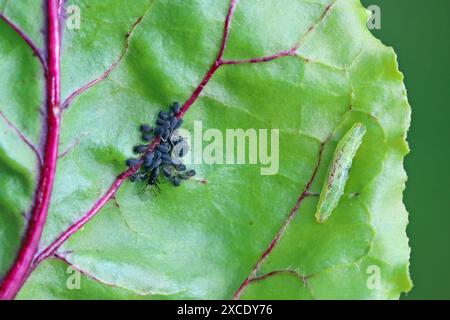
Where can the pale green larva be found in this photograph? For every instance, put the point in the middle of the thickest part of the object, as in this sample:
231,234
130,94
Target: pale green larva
337,177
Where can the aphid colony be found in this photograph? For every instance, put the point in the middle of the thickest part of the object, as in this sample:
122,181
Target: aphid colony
165,159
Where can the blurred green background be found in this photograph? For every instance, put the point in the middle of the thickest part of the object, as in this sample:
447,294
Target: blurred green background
419,30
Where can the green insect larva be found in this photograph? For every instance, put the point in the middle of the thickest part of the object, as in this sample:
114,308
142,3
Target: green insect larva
337,177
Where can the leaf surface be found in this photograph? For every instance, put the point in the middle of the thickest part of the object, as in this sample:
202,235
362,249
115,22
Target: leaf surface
203,240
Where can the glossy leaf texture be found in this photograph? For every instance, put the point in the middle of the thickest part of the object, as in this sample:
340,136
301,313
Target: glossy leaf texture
203,240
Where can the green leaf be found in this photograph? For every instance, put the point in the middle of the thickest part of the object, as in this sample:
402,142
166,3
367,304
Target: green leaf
203,240
21,84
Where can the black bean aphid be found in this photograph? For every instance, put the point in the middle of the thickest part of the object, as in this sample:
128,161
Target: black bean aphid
133,162
173,123
138,177
147,137
155,164
163,148
145,128
164,115
155,172
165,135
176,107
163,123
159,131
167,172
180,167
164,159
140,149
148,158
178,124
191,173
176,181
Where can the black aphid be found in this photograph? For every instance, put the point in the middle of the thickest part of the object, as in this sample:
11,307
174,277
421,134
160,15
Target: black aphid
154,183
148,158
178,124
164,147
140,149
173,123
164,115
133,162
165,135
159,130
155,172
139,177
163,123
191,173
176,107
147,136
176,181
145,128
164,159
180,167
155,164
167,172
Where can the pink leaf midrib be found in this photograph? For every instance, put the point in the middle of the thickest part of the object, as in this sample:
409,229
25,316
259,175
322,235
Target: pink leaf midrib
19,271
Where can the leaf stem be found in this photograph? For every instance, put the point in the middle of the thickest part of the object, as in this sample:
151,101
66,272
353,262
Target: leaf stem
18,273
